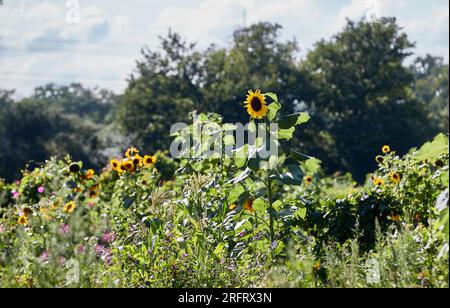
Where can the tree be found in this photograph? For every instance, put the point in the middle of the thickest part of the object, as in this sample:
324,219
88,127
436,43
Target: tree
362,96
431,87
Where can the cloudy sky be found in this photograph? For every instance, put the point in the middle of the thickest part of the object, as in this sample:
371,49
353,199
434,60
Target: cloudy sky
96,42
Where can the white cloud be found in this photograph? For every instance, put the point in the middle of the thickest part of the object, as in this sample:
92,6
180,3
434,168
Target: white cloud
37,45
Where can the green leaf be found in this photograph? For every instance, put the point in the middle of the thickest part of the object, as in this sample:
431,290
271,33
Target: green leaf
273,96
235,193
292,120
293,175
300,213
273,110
432,150
300,157
260,206
286,133
312,165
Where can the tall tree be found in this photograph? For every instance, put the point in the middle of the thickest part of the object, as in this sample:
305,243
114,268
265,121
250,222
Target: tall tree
362,96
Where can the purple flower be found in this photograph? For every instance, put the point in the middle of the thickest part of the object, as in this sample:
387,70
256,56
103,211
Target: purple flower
80,249
40,189
64,229
242,233
45,256
108,237
15,194
99,250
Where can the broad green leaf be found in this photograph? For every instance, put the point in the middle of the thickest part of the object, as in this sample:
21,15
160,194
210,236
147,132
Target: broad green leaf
273,110
432,150
300,213
235,193
286,133
312,165
260,206
292,120
273,96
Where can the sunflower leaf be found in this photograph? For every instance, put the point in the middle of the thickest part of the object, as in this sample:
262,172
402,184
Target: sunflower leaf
292,120
273,110
273,96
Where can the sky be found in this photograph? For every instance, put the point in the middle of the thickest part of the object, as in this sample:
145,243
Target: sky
97,42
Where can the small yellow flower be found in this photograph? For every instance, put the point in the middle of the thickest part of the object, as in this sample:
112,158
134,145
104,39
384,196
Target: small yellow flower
308,179
90,173
149,160
317,266
23,220
232,207
378,182
69,207
395,177
395,217
386,149
131,152
248,205
256,104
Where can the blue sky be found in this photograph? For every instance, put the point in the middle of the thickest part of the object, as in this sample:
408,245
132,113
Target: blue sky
40,43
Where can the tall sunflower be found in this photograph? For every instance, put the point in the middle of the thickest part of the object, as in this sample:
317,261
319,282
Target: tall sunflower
256,104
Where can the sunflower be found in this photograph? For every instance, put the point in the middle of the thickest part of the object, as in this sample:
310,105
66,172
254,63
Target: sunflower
121,168
232,207
114,164
93,194
386,149
137,161
69,207
248,205
308,179
23,220
129,166
149,160
90,173
317,266
74,167
395,217
378,182
256,104
379,159
131,152
395,177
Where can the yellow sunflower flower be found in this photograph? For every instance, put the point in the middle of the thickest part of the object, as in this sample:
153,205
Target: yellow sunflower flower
69,207
90,173
378,182
232,207
248,205
115,164
308,179
386,149
256,104
137,161
149,160
131,152
23,220
128,165
395,177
